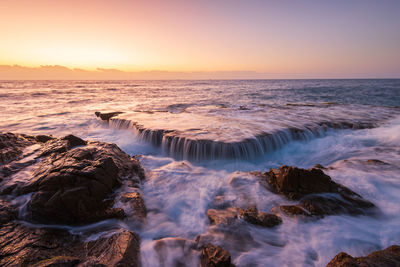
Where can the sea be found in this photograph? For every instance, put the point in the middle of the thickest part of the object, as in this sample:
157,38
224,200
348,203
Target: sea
199,139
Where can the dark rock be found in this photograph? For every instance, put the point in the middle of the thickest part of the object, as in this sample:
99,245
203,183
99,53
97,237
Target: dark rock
319,166
24,246
73,185
7,212
215,256
377,162
226,216
43,138
318,194
295,183
253,216
58,261
122,249
388,257
74,141
291,210
107,116
136,203
11,146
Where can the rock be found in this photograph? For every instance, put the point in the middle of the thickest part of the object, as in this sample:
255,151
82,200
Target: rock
295,183
291,210
319,166
383,258
136,203
24,246
74,141
226,216
253,216
11,146
107,116
43,138
318,194
7,212
377,162
215,256
121,249
58,261
72,183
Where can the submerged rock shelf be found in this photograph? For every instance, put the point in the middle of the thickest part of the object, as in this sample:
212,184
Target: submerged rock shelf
182,145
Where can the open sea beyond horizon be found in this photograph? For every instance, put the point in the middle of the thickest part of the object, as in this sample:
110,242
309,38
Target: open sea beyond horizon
199,140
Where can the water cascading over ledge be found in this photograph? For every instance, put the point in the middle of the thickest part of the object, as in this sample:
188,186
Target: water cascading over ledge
175,144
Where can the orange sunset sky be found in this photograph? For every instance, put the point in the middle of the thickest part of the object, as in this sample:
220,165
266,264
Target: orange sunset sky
253,39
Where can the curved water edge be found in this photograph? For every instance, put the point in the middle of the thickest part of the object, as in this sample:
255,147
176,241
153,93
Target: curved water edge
176,145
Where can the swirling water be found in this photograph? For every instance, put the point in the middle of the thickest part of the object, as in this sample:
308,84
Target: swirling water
179,189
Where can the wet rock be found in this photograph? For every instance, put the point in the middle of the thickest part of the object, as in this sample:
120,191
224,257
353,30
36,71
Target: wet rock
11,146
377,162
384,258
295,183
215,256
24,246
319,166
136,203
226,216
253,216
318,194
7,212
107,116
290,210
121,249
74,181
43,138
59,261
74,141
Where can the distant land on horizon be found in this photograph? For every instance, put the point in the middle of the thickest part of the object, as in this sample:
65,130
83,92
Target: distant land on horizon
58,72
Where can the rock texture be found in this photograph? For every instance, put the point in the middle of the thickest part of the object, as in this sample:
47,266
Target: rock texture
66,181
319,195
24,246
74,179
389,257
251,215
215,256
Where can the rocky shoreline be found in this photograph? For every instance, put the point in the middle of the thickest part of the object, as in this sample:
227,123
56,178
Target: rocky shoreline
48,184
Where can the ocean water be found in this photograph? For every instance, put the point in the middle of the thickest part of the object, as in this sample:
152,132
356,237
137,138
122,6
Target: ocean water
199,139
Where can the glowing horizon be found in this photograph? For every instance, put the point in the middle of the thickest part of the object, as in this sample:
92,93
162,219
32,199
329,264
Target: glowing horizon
343,38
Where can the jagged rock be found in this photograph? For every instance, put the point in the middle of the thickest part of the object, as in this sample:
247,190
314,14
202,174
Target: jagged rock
107,116
7,212
215,256
43,138
122,249
11,146
136,203
24,246
253,216
377,162
388,257
318,194
226,216
73,180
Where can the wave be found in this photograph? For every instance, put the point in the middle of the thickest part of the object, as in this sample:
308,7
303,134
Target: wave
176,144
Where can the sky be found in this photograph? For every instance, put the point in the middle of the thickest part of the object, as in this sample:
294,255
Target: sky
283,38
